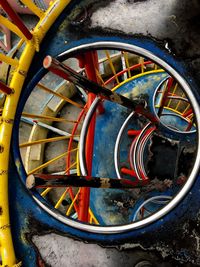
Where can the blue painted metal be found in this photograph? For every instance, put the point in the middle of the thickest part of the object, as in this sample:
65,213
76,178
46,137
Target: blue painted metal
28,219
106,203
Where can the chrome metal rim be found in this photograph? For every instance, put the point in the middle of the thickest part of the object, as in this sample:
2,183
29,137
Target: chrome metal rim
186,188
116,152
163,124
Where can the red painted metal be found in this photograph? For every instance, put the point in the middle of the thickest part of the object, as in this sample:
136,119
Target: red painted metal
133,132
190,124
89,61
129,172
188,113
90,64
81,60
5,89
101,109
139,155
16,19
147,133
68,159
165,95
126,70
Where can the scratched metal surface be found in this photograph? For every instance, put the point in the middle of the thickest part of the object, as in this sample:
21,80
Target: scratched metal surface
167,28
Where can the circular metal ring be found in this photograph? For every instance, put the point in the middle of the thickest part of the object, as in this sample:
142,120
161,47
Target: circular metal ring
185,189
178,115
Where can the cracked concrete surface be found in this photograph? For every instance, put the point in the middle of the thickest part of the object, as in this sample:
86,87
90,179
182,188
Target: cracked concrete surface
145,17
62,251
169,20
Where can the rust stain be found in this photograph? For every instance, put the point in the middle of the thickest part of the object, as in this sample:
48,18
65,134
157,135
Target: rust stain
4,227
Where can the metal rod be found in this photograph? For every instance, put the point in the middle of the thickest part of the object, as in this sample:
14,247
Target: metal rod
45,117
8,60
47,180
90,61
69,74
165,95
43,87
134,132
16,19
188,113
68,158
32,6
48,127
44,165
128,171
5,89
43,141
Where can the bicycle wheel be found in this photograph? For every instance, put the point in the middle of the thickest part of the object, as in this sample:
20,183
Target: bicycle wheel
136,145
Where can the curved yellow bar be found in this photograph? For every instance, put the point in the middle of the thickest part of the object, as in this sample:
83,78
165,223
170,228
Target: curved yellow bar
6,245
9,60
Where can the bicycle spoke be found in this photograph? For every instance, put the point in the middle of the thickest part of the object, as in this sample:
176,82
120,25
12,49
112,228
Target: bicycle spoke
63,196
43,141
43,87
48,118
48,127
50,161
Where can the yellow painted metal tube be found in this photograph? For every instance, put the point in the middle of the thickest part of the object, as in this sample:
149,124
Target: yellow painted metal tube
111,66
42,141
179,102
44,165
127,64
36,10
9,60
92,216
99,77
186,109
7,250
12,27
72,204
6,244
173,92
137,76
43,87
52,13
46,191
44,117
141,61
63,196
